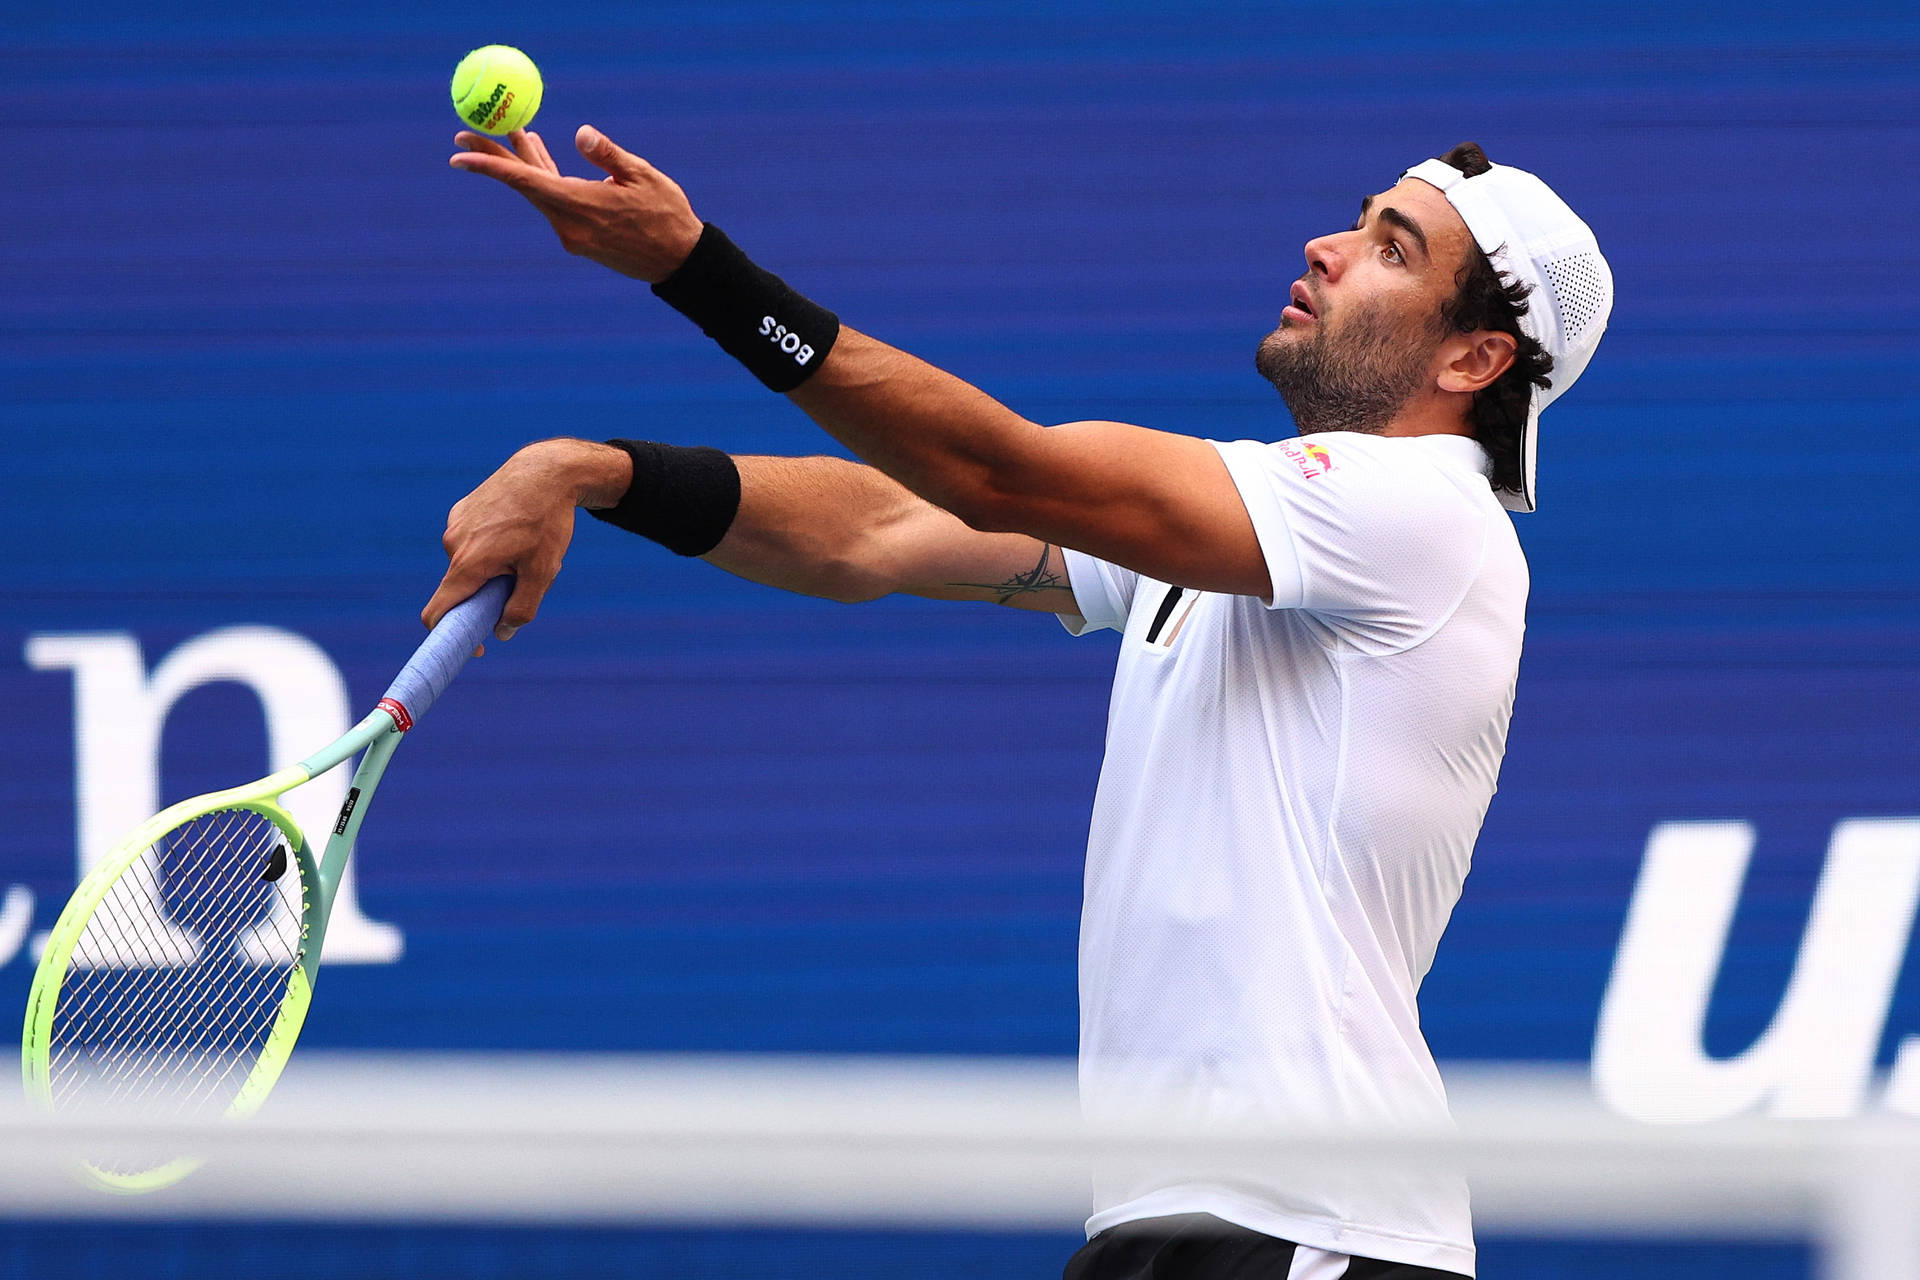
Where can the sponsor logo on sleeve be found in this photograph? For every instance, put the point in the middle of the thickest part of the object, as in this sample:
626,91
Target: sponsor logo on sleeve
1313,460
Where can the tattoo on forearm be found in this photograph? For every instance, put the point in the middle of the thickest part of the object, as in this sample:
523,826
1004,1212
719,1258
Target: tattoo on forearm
1038,578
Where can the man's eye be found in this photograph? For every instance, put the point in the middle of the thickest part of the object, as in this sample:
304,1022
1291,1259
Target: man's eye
1393,250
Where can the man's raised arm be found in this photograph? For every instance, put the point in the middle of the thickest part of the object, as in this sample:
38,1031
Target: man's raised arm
1156,502
817,526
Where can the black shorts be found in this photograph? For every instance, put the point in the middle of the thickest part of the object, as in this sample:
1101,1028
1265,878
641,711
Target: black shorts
1199,1246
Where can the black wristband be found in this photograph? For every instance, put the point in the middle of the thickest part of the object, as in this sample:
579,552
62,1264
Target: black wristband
684,499
779,335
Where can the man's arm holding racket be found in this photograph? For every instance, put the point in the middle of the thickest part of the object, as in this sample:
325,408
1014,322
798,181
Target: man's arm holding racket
1157,502
817,526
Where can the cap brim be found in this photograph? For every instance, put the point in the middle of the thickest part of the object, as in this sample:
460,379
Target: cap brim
1525,500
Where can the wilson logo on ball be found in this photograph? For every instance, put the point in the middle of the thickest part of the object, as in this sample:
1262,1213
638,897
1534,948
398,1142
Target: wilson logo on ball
494,109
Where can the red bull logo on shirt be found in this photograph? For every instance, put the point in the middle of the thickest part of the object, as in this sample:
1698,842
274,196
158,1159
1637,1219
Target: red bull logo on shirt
1313,460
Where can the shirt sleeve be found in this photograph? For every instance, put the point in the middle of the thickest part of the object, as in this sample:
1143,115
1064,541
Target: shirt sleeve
1103,592
1379,544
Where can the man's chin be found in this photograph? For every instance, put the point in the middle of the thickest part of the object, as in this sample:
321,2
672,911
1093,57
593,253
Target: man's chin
1275,355
1291,335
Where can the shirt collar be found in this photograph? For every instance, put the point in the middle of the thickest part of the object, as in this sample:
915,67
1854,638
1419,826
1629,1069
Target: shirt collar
1462,451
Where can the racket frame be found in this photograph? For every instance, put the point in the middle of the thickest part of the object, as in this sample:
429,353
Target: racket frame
377,736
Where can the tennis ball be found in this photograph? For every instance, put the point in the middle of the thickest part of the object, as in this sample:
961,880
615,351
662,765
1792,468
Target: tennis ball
496,89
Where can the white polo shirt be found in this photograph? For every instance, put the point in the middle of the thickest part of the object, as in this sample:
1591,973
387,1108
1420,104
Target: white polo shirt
1287,809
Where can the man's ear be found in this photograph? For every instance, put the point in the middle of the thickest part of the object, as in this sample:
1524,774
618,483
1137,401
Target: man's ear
1475,360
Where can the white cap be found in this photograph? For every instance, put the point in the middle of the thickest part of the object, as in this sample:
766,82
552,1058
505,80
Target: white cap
1530,235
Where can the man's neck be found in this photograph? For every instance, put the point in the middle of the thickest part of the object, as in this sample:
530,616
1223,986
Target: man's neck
1440,414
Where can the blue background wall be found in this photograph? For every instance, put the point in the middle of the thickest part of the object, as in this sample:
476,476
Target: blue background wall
257,339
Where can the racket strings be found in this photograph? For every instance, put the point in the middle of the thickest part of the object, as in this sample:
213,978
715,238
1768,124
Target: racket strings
169,954
135,914
133,910
178,976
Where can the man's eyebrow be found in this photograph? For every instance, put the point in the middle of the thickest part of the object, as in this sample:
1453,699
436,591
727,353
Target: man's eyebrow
1408,225
1395,218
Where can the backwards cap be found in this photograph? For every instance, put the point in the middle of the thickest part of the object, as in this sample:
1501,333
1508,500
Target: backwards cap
1530,235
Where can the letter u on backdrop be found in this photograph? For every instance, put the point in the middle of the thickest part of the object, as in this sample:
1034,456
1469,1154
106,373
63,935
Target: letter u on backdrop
1816,1057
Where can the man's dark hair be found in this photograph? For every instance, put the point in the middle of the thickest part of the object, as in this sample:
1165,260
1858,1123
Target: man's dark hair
1484,298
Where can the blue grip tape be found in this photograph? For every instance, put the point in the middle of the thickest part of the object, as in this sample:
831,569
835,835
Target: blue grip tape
446,649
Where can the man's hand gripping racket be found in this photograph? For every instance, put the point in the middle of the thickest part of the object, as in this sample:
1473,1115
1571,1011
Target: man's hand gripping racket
176,980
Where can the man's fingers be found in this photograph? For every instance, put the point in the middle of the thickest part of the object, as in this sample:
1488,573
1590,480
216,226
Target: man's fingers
459,583
600,149
528,590
513,171
480,142
533,150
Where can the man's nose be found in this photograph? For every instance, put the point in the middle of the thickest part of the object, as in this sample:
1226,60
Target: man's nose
1324,256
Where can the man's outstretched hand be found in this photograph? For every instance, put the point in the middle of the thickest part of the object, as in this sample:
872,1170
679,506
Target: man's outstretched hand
636,220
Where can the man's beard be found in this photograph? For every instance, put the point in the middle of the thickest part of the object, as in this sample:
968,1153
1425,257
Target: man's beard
1358,382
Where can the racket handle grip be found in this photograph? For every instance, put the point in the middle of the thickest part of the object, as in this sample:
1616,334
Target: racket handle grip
445,650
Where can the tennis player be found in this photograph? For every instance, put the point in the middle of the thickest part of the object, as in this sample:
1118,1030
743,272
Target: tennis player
1320,638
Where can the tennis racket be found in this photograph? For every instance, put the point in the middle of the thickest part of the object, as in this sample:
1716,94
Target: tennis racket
176,980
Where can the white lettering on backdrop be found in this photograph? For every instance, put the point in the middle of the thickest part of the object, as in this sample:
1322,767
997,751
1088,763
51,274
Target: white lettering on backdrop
1816,1057
119,710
